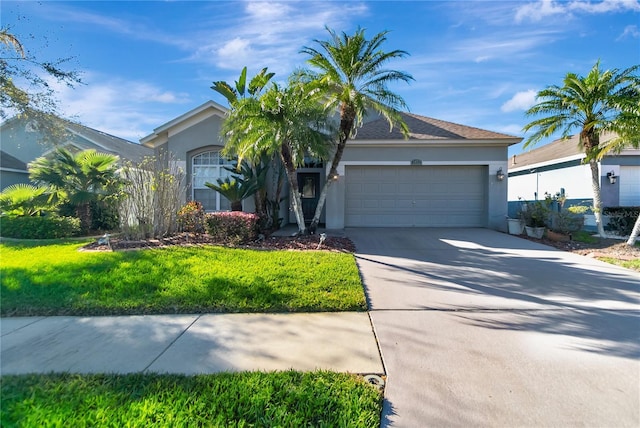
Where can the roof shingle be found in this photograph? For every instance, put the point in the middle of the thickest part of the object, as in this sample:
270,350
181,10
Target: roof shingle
425,128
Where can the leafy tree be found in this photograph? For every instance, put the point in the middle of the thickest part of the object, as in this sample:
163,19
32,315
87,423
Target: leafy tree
601,102
78,178
351,74
239,91
26,200
35,98
287,121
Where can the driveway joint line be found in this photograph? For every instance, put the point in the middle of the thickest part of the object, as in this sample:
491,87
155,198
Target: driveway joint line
171,344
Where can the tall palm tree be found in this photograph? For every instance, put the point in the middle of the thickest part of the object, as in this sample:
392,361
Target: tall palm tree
601,101
284,121
350,70
234,93
78,178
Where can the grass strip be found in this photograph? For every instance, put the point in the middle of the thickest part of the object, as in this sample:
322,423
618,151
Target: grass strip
54,278
256,399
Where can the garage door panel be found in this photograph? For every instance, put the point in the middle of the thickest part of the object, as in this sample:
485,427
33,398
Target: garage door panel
426,196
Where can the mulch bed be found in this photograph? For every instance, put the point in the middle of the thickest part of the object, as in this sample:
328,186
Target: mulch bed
310,242
614,248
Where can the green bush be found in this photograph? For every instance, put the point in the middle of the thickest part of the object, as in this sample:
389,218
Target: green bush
535,214
235,227
566,222
191,218
104,214
44,227
621,219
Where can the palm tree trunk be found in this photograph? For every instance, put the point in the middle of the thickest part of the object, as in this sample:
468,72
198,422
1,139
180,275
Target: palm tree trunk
634,233
597,198
296,201
83,212
346,123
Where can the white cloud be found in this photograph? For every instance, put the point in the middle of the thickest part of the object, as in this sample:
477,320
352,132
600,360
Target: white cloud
510,129
536,11
235,53
630,31
127,109
520,101
271,34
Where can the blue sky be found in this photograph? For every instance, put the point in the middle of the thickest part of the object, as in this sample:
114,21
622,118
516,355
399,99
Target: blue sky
478,63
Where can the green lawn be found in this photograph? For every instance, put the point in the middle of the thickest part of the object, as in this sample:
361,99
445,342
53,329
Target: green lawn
285,399
629,264
56,279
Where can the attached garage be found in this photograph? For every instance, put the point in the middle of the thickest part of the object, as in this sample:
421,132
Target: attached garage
416,196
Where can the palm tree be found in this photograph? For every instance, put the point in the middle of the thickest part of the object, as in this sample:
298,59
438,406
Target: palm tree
287,121
352,76
78,178
239,91
240,186
26,200
602,101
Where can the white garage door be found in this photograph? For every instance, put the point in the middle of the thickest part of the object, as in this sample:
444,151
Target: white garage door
421,196
630,186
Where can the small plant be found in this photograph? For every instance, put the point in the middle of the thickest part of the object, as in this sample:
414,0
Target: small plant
235,227
535,214
191,218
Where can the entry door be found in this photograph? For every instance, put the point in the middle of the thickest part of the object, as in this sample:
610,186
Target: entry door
309,188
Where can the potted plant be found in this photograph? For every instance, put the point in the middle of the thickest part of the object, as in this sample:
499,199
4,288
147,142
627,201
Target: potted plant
535,216
515,225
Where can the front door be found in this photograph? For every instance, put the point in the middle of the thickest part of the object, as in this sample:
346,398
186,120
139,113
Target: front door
309,188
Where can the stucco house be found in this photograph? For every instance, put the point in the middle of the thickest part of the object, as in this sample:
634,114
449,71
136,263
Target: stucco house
444,175
22,143
558,168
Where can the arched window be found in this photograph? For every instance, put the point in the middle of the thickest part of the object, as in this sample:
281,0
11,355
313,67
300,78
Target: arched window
208,167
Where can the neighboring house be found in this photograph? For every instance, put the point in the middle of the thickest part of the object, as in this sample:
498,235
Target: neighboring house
12,170
558,168
444,175
21,144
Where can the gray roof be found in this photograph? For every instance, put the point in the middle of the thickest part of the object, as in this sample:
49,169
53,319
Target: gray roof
105,142
9,162
427,128
557,149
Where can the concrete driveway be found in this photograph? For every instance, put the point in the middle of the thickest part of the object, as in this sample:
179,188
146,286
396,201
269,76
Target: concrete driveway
479,328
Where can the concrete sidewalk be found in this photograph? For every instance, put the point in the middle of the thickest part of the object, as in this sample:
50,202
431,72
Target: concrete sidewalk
190,344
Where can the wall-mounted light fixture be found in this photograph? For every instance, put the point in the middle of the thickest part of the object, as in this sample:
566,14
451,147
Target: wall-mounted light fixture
334,177
612,177
500,174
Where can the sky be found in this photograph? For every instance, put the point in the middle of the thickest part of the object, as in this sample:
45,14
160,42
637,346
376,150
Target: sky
477,63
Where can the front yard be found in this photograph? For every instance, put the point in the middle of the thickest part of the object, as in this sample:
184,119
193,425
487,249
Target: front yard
55,278
285,399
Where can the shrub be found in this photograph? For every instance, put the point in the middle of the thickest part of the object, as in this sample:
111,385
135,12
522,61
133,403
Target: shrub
621,219
566,222
233,228
45,227
104,214
535,214
191,218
